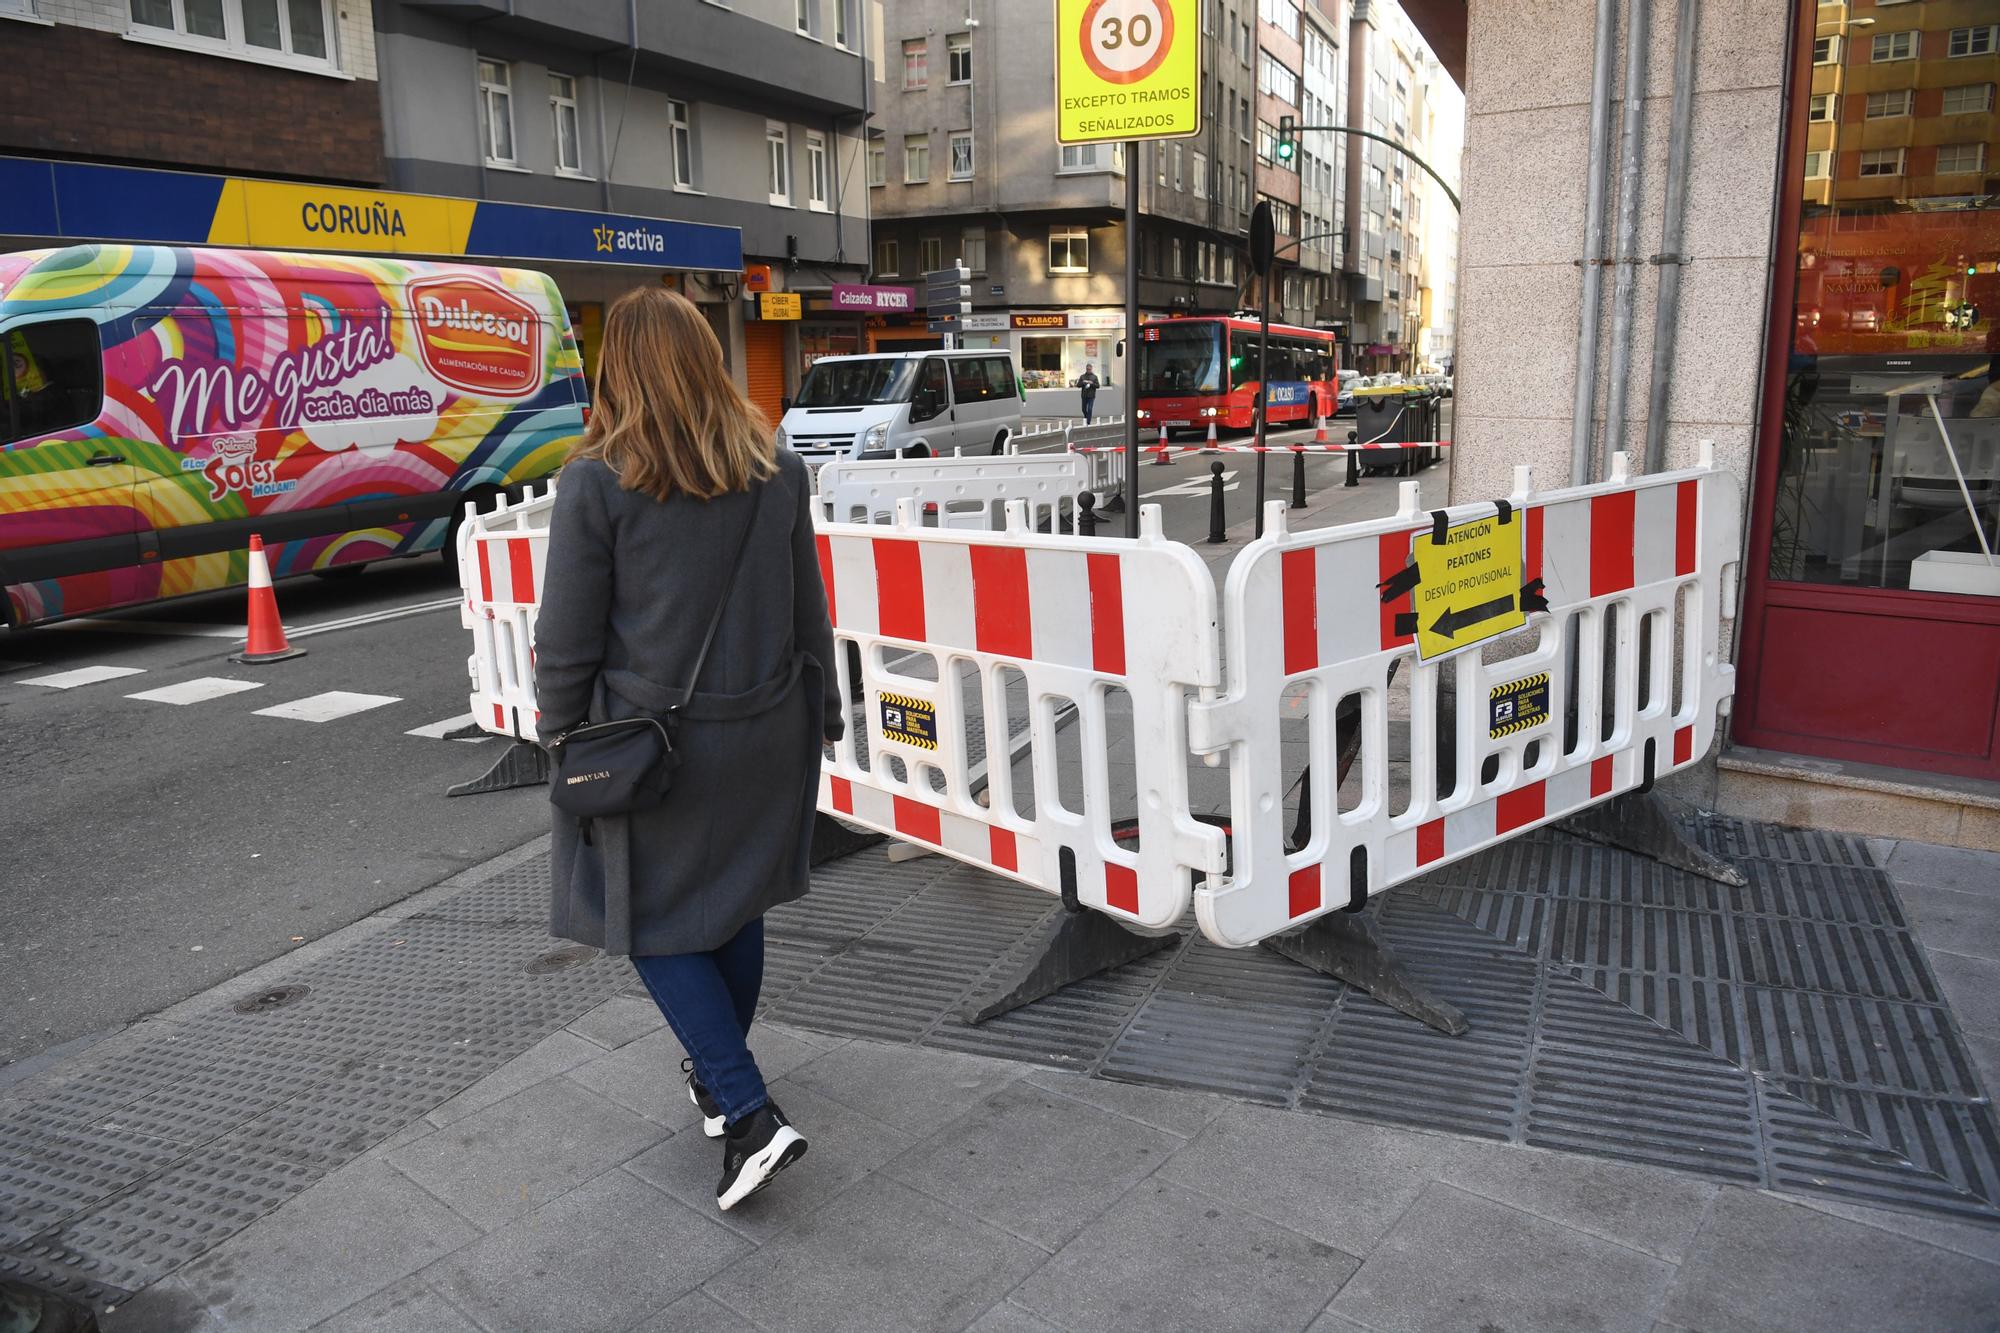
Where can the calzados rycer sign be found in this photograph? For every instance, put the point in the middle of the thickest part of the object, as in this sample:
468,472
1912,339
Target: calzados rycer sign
1127,69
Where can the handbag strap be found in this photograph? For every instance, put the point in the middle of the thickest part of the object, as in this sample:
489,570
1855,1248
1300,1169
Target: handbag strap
722,602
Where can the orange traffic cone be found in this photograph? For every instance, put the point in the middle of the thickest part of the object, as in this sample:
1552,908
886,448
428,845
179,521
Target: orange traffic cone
1161,455
266,639
1209,448
1321,437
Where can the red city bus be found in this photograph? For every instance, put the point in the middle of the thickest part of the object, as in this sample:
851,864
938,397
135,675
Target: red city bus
1194,370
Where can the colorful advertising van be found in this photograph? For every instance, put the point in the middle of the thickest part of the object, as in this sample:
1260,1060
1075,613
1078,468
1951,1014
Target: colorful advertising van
159,405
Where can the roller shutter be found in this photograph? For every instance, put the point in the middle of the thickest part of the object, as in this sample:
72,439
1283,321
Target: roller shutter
764,367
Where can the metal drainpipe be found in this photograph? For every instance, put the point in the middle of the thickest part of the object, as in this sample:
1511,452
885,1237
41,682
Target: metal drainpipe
1593,246
1672,228
1637,31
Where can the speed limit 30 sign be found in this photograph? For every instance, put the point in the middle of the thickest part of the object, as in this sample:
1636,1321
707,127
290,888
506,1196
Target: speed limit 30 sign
1127,69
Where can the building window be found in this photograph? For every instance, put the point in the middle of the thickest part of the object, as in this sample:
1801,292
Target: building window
1275,79
1821,107
1826,50
1180,165
972,249
1954,159
1093,157
817,195
843,23
1882,162
916,158
1069,250
1282,15
888,260
932,249
295,31
1893,46
563,124
961,155
804,17
778,161
1200,175
680,128
1243,119
958,57
1160,165
878,163
1895,102
1969,99
496,111
1973,41
916,63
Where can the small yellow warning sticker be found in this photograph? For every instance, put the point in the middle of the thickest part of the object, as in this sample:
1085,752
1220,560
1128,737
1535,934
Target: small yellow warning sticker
909,720
1468,587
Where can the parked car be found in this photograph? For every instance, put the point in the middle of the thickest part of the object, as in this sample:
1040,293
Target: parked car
904,404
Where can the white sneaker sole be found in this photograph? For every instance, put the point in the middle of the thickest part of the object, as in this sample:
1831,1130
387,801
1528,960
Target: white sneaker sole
785,1147
714,1126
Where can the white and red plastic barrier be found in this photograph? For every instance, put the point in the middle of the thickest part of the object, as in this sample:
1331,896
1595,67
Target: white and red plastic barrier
501,556
964,491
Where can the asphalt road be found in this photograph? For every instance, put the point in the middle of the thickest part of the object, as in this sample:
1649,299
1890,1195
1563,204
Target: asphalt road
153,849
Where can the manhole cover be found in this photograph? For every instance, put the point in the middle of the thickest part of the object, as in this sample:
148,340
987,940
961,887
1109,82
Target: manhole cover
275,998
555,960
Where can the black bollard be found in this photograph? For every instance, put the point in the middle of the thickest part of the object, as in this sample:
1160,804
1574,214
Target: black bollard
1218,522
1298,479
1086,515
1353,461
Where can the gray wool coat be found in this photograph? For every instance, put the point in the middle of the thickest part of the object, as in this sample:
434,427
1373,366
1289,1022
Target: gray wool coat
627,594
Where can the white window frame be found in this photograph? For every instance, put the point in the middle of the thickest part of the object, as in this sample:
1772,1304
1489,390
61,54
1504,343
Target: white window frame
23,9
890,247
1884,48
1985,98
490,93
921,48
778,162
956,44
1200,174
1083,159
844,23
1180,167
680,141
953,142
972,249
930,253
913,143
1978,160
1071,238
819,196
1820,109
1861,167
803,15
560,101
1832,56
878,162
232,44
1987,33
1893,101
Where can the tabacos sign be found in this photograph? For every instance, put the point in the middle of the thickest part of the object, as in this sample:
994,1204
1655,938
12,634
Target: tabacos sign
477,337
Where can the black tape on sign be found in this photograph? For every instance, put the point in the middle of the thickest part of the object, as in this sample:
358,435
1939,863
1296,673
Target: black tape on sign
1532,598
1440,526
1406,622
1506,512
1400,582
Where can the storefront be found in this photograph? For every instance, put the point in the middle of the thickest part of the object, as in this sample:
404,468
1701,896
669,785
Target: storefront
1052,347
1871,624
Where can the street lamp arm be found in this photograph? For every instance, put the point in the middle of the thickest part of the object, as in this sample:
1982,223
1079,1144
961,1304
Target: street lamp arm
1449,193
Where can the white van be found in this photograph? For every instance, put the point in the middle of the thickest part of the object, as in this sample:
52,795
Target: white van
904,405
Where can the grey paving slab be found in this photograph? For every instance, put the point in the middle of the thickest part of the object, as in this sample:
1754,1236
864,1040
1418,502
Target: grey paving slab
842,1146
1985,1049
1342,1182
916,1091
1972,987
1457,1261
879,1256
1035,1163
696,1313
599,1259
1330,1322
1765,1265
1008,1317
342,1240
407,1306
644,1077
1945,867
545,1059
168,1306
1953,920
1969,1239
1168,1258
1177,1112
1646,1208
504,1160
620,1019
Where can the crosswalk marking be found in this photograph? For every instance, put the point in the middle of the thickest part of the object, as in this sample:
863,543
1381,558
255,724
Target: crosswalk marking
329,706
438,731
90,675
199,690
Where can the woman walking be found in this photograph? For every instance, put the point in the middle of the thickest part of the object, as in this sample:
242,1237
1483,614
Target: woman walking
683,584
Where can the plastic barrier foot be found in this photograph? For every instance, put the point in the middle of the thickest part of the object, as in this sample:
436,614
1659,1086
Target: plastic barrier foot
833,839
1639,822
524,765
1347,946
1074,945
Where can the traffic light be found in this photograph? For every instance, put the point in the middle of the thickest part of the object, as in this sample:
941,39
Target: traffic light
1288,138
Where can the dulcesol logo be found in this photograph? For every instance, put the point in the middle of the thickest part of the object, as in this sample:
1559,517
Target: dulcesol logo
478,337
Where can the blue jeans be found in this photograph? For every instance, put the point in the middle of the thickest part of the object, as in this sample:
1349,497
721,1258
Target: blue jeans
709,1000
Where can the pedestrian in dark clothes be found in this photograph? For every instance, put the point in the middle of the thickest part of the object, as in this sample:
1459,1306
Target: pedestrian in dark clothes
1087,383
675,472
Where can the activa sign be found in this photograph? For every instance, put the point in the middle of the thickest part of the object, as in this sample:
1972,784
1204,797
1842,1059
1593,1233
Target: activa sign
477,337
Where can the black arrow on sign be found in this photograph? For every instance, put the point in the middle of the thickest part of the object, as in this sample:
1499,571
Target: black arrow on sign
1453,620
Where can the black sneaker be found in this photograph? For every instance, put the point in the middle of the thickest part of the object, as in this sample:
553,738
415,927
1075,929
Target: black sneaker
756,1148
712,1121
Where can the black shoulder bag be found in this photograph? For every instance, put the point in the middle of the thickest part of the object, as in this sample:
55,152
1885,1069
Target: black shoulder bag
602,769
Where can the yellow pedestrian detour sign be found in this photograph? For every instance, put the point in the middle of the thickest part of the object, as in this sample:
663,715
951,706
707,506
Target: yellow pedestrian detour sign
1127,69
1468,586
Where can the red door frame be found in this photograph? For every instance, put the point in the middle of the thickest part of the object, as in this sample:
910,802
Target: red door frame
1761,593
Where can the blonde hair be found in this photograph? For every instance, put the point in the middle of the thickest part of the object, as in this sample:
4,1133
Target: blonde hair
665,416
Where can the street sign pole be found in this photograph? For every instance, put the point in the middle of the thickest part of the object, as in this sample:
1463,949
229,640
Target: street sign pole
1263,261
1131,371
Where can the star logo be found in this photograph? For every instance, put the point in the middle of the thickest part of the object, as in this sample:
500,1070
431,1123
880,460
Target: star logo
604,236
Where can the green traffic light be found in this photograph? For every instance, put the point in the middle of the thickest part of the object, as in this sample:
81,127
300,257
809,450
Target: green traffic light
1285,151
